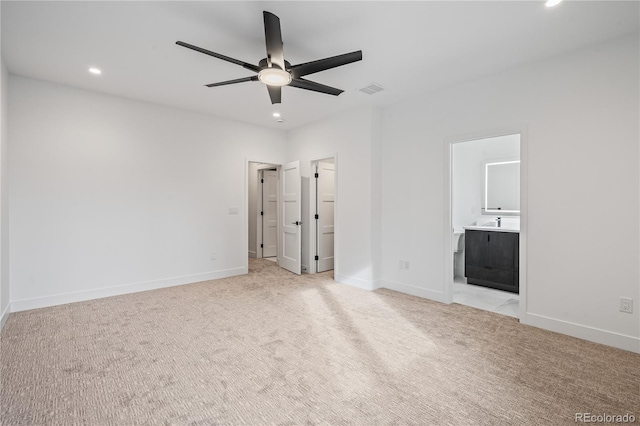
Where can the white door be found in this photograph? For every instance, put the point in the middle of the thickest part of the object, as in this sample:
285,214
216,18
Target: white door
269,213
325,194
289,256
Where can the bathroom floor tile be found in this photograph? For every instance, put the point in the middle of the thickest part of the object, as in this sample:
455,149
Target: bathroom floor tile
488,299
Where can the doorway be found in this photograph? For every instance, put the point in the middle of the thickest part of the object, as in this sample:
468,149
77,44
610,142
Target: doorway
322,211
263,210
274,220
268,216
479,167
309,245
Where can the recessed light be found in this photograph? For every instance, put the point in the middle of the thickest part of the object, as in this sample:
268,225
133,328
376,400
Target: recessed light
276,114
280,120
551,3
95,71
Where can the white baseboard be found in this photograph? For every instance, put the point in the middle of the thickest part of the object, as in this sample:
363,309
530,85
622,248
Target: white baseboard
80,296
5,315
252,254
356,282
391,285
438,296
609,338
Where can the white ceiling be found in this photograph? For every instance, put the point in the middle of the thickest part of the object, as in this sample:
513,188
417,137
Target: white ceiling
410,48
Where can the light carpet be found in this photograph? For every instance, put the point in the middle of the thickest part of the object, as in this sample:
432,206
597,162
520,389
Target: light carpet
273,348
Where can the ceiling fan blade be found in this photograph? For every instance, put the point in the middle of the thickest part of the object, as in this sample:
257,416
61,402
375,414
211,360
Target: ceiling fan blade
219,56
237,80
301,83
273,39
325,64
275,93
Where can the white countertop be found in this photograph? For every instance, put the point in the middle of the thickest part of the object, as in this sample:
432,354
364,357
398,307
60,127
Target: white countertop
491,228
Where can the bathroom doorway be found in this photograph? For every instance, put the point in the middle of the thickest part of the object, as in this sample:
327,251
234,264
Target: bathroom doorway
486,257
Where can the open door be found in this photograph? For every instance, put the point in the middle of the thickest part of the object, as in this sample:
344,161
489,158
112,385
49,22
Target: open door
325,193
289,254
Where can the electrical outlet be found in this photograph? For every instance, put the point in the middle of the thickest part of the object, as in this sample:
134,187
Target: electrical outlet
626,305
234,210
403,265
213,255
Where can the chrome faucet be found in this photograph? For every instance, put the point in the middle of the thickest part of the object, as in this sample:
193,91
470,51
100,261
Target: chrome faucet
498,221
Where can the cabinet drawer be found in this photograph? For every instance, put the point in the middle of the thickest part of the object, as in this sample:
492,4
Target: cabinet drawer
498,276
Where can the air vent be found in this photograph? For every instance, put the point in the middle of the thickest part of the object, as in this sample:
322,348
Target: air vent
372,89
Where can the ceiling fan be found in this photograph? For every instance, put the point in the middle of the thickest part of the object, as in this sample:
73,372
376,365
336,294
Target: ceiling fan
274,71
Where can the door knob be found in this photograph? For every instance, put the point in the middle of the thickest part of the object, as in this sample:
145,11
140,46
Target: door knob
297,223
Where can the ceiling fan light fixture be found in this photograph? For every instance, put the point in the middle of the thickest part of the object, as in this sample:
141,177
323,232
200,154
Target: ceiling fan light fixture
274,77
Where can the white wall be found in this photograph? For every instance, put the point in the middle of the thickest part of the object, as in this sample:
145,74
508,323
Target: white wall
348,137
582,115
110,195
468,174
4,195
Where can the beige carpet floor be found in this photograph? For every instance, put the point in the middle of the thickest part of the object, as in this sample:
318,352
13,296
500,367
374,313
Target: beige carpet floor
272,348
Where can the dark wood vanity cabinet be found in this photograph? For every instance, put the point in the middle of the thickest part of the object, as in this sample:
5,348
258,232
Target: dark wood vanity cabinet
491,259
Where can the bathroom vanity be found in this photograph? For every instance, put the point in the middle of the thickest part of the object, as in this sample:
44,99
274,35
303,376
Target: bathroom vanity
492,257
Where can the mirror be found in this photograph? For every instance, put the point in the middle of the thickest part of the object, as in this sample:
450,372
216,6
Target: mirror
502,188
